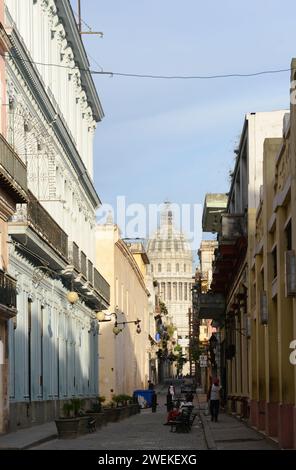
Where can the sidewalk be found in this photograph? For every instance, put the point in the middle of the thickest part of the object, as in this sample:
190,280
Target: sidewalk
34,436
28,437
231,434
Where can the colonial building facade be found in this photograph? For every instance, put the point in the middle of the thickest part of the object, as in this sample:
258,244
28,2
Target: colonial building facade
123,357
13,190
171,265
50,99
273,291
230,301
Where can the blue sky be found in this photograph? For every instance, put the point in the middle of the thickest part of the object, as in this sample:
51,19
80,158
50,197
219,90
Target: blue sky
175,139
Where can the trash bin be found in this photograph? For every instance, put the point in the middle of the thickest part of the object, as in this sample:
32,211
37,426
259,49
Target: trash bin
144,397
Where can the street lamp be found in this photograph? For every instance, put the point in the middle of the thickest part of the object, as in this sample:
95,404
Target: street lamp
101,317
40,272
72,297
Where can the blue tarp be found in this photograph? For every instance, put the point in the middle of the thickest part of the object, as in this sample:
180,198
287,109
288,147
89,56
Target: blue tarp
145,400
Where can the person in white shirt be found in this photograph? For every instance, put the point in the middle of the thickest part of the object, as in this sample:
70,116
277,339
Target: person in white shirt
215,395
171,390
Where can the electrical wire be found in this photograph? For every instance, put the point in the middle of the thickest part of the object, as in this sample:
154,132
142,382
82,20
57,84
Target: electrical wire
193,77
151,76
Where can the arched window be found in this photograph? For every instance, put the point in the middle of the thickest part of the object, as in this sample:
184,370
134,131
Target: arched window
177,267
169,268
152,268
159,268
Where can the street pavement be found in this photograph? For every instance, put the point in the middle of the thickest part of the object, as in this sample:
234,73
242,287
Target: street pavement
229,433
24,438
145,431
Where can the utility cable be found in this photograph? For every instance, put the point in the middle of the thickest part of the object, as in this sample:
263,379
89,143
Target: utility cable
152,76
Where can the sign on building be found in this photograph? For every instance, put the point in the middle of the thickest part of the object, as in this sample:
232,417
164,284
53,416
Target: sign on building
203,361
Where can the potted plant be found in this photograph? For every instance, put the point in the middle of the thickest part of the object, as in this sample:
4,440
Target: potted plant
68,424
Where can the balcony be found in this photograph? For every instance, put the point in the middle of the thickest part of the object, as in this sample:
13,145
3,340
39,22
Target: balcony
90,273
214,206
101,286
83,264
13,172
37,232
7,296
87,280
233,226
74,255
211,306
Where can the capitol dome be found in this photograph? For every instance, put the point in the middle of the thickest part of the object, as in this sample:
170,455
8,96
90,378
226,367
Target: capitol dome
169,244
171,261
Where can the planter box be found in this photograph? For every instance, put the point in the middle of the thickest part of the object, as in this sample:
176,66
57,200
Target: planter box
68,428
123,412
111,415
83,425
134,409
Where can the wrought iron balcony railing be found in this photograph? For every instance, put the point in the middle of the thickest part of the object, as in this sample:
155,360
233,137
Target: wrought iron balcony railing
75,256
101,285
90,272
12,164
47,227
7,290
34,214
83,264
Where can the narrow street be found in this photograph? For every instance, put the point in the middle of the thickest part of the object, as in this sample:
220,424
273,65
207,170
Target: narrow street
147,230
144,431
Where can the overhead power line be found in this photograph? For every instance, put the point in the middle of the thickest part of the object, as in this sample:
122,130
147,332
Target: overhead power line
192,77
152,76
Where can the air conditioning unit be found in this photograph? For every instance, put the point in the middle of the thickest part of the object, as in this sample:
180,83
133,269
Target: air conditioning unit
263,308
290,273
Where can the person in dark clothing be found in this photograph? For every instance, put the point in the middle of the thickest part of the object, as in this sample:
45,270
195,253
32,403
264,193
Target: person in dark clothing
169,402
189,397
150,385
154,402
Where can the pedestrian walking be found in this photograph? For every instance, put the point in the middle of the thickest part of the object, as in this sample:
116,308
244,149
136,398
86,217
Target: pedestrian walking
169,402
214,397
171,390
150,385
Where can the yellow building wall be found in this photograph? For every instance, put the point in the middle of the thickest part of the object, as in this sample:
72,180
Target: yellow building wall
123,359
273,391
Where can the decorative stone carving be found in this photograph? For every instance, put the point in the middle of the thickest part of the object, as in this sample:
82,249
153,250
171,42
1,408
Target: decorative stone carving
31,297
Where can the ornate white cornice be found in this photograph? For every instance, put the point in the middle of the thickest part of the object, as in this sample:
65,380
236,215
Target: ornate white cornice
31,79
63,25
